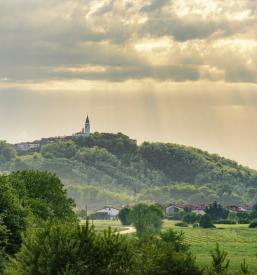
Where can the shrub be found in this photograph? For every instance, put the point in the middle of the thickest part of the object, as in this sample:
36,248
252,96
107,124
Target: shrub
191,218
253,224
176,239
220,263
206,222
167,255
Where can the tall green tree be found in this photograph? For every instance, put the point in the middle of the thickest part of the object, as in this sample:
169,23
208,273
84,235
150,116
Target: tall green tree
43,193
216,211
146,219
124,216
12,217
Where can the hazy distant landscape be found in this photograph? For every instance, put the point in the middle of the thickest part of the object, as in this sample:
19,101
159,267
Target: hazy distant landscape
112,169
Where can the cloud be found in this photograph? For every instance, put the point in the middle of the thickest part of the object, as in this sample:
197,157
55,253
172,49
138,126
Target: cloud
40,37
155,4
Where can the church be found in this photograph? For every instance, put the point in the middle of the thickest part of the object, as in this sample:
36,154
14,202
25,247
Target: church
86,130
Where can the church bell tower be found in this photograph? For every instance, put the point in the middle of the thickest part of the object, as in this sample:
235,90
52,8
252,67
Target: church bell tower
87,128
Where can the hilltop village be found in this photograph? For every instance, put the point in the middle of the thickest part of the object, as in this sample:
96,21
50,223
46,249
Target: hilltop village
34,146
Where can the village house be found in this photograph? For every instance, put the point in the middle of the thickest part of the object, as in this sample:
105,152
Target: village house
110,211
172,209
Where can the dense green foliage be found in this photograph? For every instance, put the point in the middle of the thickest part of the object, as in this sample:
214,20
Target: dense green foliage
253,224
71,249
7,152
166,254
34,205
206,221
220,263
147,219
124,216
12,217
117,144
27,199
43,194
216,211
59,150
112,168
191,218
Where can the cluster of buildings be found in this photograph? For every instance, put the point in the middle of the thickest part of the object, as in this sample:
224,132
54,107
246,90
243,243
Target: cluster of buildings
113,211
171,209
35,146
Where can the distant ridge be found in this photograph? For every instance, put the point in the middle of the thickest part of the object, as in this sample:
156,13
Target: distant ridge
115,168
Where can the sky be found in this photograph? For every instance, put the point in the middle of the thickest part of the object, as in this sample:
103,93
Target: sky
179,71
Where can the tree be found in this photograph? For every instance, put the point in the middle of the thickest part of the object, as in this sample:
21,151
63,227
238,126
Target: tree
216,211
253,224
124,216
191,218
175,239
59,150
146,219
72,249
220,263
7,152
254,206
166,254
119,144
3,244
43,193
12,218
205,221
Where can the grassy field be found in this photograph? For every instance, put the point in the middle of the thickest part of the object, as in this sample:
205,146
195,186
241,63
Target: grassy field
238,240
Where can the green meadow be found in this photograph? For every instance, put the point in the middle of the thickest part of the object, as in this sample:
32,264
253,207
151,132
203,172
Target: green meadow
238,240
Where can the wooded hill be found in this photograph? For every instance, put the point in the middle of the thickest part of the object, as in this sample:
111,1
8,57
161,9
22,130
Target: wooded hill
112,169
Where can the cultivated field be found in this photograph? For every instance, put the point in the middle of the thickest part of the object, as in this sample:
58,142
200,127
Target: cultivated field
238,240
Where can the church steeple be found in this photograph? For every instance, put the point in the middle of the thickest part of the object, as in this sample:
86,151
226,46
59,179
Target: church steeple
87,127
